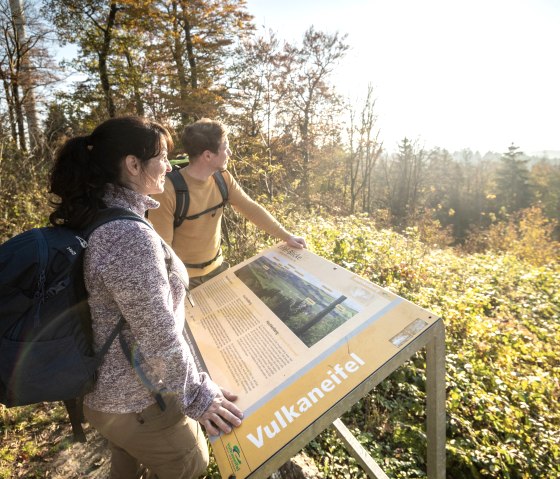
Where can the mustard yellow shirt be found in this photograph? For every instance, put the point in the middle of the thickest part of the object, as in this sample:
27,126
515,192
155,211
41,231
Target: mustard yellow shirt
197,241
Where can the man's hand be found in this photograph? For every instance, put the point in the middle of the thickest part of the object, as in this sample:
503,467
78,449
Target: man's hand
296,242
221,415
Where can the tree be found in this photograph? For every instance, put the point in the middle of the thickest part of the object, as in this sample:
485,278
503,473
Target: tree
457,190
405,174
92,25
190,42
545,178
365,149
258,101
206,31
257,86
310,93
163,57
24,64
57,127
26,71
512,181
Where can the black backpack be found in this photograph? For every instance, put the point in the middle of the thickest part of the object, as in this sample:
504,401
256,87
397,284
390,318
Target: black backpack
46,349
182,201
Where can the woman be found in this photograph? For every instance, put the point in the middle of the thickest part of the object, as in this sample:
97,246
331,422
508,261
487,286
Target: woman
129,271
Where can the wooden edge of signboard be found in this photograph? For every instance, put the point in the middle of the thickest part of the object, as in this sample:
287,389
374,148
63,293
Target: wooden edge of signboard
434,339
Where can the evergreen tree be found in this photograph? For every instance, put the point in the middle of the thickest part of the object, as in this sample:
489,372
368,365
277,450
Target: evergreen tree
513,190
404,175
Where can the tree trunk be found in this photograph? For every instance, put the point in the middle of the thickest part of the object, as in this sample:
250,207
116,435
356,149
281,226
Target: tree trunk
103,55
18,109
11,110
190,52
135,82
178,54
28,95
306,155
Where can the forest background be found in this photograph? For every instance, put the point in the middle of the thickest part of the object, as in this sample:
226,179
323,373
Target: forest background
473,238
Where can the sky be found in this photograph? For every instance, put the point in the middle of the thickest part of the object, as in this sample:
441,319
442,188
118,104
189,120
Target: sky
456,74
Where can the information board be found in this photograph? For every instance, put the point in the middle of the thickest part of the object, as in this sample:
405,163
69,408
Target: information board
291,334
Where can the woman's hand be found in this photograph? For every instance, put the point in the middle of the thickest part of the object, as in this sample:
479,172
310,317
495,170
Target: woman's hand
221,415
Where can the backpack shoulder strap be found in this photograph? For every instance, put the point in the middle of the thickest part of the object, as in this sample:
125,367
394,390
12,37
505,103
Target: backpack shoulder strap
221,182
181,196
111,214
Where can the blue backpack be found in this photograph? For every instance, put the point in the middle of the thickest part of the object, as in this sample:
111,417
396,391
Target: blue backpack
46,351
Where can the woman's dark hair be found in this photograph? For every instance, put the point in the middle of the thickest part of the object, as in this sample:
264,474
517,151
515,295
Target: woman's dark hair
204,134
86,164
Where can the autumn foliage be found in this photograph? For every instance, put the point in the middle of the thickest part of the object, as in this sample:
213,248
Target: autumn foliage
471,236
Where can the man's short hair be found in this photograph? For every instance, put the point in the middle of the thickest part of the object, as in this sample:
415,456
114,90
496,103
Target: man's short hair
204,134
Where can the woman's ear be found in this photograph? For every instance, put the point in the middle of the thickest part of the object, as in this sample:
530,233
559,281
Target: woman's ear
132,166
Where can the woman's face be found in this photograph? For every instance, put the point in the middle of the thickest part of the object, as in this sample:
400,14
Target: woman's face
154,171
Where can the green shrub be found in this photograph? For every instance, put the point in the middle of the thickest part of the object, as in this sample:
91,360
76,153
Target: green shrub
23,192
503,334
501,312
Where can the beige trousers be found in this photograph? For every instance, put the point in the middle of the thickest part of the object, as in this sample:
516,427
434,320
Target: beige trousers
169,444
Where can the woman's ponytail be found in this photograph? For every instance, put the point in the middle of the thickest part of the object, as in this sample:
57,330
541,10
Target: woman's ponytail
71,181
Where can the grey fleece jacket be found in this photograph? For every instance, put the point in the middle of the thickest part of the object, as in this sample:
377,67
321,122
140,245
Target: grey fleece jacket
125,272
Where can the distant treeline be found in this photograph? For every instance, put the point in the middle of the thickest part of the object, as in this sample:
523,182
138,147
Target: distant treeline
294,136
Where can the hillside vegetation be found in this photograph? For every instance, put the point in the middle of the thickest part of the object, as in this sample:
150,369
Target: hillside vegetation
501,312
471,236
503,331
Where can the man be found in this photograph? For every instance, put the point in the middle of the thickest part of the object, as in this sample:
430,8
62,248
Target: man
197,241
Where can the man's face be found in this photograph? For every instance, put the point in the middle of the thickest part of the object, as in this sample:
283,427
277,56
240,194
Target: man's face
220,159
